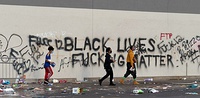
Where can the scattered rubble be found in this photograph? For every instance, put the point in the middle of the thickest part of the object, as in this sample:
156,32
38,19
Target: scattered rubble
28,90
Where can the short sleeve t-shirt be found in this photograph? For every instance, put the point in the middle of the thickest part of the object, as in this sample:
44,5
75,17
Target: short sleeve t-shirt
47,64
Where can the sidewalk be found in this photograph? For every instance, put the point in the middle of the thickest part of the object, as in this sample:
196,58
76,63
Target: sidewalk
169,88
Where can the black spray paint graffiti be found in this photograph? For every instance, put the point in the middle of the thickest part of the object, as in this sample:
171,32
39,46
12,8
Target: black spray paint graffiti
1,44
187,51
6,42
71,44
35,53
93,59
162,59
6,45
183,47
26,64
68,61
39,41
139,43
189,54
34,68
164,47
123,45
145,51
142,57
188,44
12,56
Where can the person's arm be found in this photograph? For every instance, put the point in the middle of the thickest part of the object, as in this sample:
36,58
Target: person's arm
108,59
134,60
48,61
112,61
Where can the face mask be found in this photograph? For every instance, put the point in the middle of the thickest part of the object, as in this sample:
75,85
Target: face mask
52,52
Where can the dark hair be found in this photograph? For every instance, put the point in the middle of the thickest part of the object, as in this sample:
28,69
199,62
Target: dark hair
50,48
131,47
108,49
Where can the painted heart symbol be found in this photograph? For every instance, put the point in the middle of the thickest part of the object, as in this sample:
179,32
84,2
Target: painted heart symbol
12,42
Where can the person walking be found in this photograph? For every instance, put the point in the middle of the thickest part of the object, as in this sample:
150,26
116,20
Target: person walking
131,68
107,67
47,65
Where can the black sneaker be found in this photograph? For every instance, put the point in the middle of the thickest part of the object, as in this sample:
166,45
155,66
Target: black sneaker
112,84
46,82
100,82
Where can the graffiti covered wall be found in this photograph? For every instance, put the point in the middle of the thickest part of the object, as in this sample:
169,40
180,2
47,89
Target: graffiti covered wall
168,44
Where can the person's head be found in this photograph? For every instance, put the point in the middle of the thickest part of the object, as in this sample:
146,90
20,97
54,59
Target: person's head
108,50
50,49
132,48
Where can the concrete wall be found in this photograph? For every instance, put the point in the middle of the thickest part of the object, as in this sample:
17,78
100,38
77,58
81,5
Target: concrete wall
167,40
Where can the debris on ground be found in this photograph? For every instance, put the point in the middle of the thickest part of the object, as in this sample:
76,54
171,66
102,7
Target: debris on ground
184,78
191,93
55,81
75,90
48,89
193,85
78,90
151,90
8,91
5,82
148,79
64,91
138,91
62,81
20,80
77,82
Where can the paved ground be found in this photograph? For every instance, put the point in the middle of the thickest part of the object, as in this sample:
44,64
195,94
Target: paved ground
167,89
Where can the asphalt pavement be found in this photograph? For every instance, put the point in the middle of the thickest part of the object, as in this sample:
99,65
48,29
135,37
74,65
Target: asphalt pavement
86,89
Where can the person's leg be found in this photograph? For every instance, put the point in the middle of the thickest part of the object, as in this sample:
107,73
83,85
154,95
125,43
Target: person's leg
134,74
126,74
50,72
103,78
111,77
46,76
